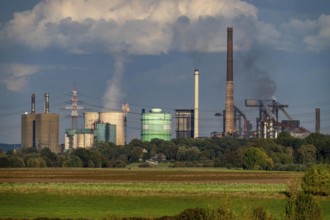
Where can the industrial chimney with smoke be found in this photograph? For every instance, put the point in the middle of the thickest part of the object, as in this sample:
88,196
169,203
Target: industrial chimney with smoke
229,128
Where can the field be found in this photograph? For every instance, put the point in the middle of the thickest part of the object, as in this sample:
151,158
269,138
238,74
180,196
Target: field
137,192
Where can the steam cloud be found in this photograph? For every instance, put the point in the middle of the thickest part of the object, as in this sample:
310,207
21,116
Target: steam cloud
14,76
113,93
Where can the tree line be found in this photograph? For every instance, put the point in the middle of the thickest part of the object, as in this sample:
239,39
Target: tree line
283,153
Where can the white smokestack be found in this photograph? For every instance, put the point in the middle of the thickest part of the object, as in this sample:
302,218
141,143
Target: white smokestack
46,103
196,74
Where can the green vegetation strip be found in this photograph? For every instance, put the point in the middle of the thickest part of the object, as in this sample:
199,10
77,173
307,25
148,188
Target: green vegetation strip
144,188
33,205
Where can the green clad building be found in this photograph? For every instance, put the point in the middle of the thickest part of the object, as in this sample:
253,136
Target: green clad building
156,124
105,132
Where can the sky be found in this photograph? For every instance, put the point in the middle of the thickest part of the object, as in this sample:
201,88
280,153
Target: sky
144,52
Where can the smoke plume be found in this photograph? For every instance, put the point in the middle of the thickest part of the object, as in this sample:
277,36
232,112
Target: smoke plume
113,92
256,79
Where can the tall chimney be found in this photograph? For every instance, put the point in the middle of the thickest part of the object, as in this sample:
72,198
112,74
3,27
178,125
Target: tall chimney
196,74
317,120
46,103
229,128
33,104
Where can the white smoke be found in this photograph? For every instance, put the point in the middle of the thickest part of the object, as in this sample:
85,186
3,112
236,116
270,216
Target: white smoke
14,75
113,93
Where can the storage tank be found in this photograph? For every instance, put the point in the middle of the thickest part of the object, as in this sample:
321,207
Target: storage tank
90,118
117,119
81,140
74,141
66,142
89,140
156,124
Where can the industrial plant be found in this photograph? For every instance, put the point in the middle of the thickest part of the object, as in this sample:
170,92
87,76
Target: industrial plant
98,126
42,130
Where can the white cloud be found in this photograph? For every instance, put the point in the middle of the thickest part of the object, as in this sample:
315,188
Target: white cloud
14,76
137,27
312,34
320,40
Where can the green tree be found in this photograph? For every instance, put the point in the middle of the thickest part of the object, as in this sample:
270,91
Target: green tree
317,180
89,157
255,158
36,162
52,160
181,154
72,161
306,154
322,144
193,153
135,154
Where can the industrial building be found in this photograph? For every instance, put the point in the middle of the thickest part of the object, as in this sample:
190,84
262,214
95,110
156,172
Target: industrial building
28,126
117,118
40,130
184,123
98,126
156,124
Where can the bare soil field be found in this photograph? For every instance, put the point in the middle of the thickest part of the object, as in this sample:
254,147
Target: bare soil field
194,175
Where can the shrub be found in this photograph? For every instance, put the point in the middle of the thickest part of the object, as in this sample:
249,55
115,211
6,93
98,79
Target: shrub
72,161
36,162
317,180
144,165
205,214
256,213
302,206
256,158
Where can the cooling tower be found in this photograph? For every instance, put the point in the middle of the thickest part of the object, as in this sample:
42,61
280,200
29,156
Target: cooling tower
115,118
90,119
229,128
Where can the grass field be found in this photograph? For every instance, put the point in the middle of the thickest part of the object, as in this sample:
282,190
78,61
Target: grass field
97,193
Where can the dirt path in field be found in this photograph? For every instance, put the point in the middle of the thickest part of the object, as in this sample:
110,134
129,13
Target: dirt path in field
143,175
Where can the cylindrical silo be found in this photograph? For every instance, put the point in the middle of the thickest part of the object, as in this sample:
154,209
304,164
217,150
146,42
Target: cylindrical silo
90,118
74,141
115,118
156,124
81,140
89,140
66,142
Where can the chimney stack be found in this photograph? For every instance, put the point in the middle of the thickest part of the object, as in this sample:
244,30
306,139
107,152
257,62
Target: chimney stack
46,103
33,104
229,128
196,74
317,120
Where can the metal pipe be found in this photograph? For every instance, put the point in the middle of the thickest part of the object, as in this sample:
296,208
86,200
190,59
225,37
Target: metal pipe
229,128
46,103
33,104
196,74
